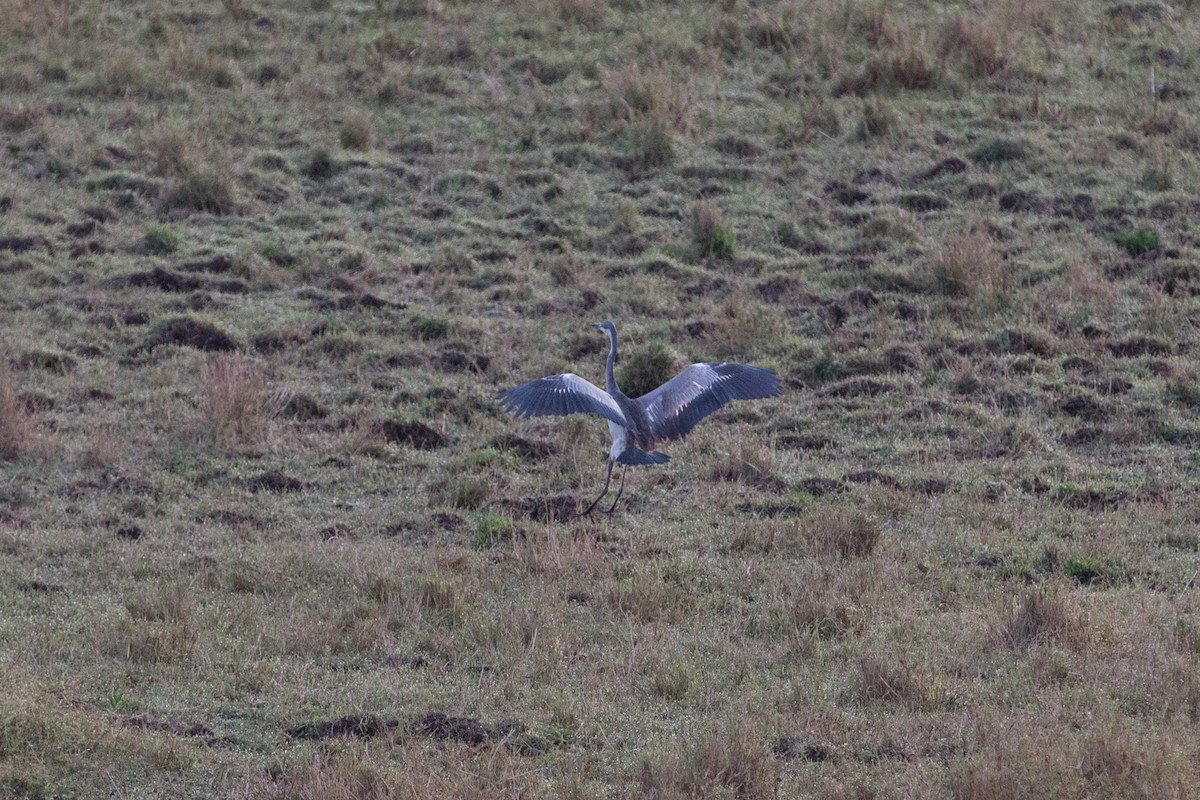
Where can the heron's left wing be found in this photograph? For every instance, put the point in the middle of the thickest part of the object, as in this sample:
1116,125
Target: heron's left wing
557,395
679,404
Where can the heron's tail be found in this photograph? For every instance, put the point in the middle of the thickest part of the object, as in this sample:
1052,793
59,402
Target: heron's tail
633,456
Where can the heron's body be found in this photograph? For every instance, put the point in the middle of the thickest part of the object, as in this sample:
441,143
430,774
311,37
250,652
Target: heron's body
637,424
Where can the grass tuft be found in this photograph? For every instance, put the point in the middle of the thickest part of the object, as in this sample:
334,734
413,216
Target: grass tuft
236,405
998,151
16,424
355,133
159,240
969,265
646,368
1042,616
205,189
492,529
728,761
1136,241
711,234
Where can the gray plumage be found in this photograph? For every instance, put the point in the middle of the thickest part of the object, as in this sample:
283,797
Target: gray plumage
669,412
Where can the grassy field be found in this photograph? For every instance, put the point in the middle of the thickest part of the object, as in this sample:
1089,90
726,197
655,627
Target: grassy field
265,533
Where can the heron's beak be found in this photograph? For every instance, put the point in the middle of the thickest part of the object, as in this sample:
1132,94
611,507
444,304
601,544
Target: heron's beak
596,325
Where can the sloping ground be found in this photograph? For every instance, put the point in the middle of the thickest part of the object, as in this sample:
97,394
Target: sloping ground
264,531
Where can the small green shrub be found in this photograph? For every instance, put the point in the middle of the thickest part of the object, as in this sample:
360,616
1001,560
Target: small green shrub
159,240
429,328
1136,241
492,529
997,151
1090,570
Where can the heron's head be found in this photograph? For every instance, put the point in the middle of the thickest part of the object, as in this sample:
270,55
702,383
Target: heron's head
607,327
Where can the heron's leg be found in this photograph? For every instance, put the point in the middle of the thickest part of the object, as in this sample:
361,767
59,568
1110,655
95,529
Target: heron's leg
621,488
607,480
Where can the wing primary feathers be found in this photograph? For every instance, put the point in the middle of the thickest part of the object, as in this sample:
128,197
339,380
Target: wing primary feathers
682,402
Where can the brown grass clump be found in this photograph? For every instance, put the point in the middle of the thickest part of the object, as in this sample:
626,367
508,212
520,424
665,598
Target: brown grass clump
236,405
750,464
893,681
744,329
969,265
730,761
16,424
711,234
1042,616
655,96
834,530
964,39
1084,282
355,133
161,627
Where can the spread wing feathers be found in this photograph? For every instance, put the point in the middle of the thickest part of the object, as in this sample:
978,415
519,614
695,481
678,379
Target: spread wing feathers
558,395
679,404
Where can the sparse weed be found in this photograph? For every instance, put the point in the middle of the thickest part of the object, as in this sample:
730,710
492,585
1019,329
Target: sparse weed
750,464
625,216
879,118
746,329
833,531
965,39
654,97
651,147
320,166
672,680
889,679
465,492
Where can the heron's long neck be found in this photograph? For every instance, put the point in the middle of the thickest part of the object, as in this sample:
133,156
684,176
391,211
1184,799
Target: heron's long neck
611,382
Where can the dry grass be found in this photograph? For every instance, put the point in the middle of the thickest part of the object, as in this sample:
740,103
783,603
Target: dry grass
16,423
1042,616
970,265
835,530
954,558
728,761
966,40
658,97
236,402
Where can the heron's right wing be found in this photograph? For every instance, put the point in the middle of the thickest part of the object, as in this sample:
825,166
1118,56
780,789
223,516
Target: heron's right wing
558,395
674,408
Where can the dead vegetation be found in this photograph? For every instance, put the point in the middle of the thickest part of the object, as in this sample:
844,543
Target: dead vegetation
266,533
16,423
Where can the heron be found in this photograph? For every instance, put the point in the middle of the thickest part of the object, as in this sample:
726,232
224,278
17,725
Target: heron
637,424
